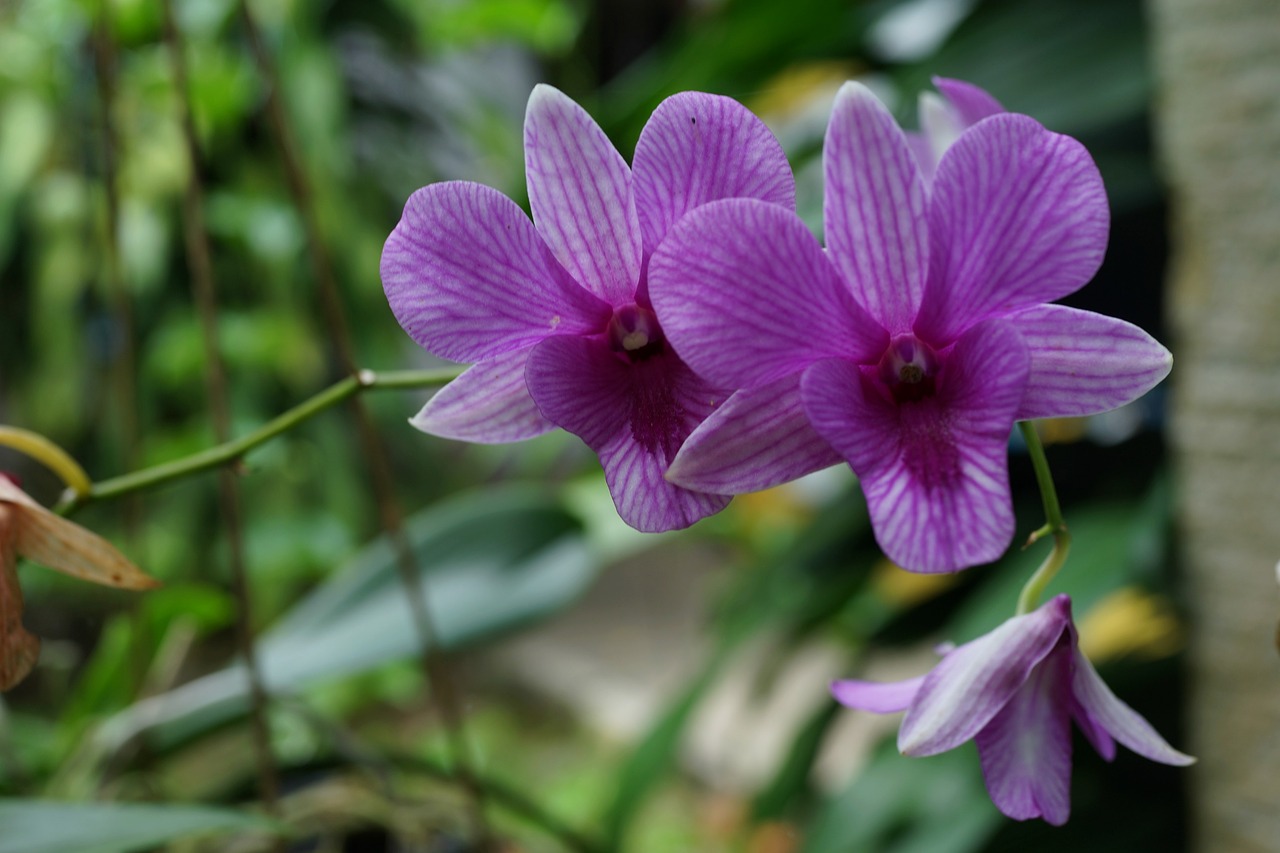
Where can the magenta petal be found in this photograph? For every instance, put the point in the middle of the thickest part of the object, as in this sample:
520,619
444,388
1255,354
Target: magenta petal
1018,216
969,103
1118,719
935,472
1094,733
487,404
746,296
581,196
698,148
874,208
756,440
1026,748
1083,363
634,416
469,278
969,686
877,697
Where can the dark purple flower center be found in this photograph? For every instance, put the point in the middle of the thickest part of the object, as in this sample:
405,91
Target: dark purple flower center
634,333
908,369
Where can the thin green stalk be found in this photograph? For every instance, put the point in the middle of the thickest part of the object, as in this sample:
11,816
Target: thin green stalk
1054,524
228,452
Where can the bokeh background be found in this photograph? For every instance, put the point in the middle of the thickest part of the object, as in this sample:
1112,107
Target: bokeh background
615,691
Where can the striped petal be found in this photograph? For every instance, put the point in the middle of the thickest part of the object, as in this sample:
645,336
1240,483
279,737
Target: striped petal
756,440
746,296
972,684
935,471
1083,363
874,208
469,278
581,196
968,103
634,416
1017,217
487,404
698,148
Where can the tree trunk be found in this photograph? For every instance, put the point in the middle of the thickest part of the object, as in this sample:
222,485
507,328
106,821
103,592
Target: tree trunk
1218,120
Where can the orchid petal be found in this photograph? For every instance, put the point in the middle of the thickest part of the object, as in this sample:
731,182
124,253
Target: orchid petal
487,404
968,687
935,472
1118,719
877,697
1026,747
469,278
874,208
1083,363
970,104
19,649
1094,733
581,196
1018,216
698,148
634,416
755,440
746,296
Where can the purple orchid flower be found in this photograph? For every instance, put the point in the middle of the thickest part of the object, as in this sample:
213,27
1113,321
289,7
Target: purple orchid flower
1015,692
555,314
913,342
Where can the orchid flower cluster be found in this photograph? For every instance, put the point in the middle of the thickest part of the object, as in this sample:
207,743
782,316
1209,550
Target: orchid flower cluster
680,318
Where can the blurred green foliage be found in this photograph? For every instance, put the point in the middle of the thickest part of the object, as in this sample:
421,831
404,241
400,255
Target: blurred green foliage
101,353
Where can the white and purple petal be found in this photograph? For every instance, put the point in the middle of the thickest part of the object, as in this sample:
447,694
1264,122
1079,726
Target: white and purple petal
755,440
488,404
1017,216
1116,718
1083,363
469,278
874,208
698,148
969,104
970,686
1026,748
581,196
747,296
634,416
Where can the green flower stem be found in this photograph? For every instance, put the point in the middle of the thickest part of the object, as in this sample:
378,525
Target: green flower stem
1054,524
229,452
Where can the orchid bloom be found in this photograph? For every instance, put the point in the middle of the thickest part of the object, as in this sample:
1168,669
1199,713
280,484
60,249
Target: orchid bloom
1015,692
945,116
555,314
29,530
914,341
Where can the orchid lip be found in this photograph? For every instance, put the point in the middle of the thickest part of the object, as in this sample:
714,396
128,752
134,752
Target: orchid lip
634,333
909,369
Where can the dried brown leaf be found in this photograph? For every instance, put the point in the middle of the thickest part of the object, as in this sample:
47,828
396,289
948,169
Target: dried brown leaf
18,648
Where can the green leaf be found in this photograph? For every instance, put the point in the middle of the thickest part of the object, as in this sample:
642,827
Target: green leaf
41,826
491,561
792,778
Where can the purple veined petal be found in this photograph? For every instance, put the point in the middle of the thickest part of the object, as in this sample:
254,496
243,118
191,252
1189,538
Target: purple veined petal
757,439
746,296
922,143
877,697
1026,748
1017,216
969,687
581,196
935,471
469,278
634,416
1094,733
487,404
874,208
1083,363
1118,719
970,104
698,148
